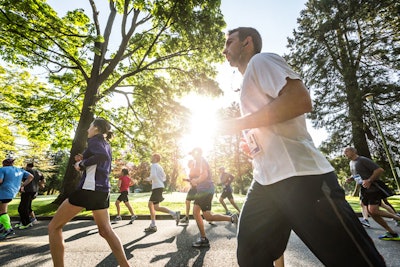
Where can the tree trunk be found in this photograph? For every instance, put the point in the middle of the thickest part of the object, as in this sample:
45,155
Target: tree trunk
355,104
71,176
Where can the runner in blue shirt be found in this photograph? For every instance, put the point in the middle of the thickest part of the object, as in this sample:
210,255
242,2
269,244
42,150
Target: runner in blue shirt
10,183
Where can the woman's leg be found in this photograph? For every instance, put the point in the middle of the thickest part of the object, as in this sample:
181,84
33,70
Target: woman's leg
63,215
102,220
128,205
118,207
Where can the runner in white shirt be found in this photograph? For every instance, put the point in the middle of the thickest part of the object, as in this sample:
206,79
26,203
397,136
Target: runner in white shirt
157,179
294,187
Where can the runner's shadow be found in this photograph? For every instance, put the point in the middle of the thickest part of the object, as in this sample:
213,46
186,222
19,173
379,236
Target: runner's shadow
130,247
185,252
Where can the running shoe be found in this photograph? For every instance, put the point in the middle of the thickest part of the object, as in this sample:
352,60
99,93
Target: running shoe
17,225
201,242
23,227
390,237
2,229
228,213
235,218
177,217
184,220
133,218
7,233
151,229
34,220
365,222
116,219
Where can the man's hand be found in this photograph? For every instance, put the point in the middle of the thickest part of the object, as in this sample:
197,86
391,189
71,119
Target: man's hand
367,183
193,182
76,166
78,157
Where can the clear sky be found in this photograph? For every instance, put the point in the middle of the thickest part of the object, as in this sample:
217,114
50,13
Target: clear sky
275,20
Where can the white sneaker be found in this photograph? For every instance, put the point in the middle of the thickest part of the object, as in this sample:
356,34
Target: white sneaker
133,218
116,219
235,218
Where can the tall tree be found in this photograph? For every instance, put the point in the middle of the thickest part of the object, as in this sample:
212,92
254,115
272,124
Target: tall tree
345,49
161,49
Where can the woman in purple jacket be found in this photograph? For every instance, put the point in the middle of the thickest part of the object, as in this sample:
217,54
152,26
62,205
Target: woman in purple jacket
93,193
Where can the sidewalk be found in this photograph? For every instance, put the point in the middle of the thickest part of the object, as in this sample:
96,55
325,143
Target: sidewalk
169,246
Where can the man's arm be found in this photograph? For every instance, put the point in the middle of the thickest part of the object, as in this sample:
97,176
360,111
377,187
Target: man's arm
293,100
374,176
27,181
230,179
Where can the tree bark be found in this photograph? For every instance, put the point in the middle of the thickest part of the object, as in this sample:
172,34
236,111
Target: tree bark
71,176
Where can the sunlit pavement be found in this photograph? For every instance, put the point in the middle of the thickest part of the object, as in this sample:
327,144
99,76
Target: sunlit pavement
169,246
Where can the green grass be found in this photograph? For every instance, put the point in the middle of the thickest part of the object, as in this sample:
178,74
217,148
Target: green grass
174,201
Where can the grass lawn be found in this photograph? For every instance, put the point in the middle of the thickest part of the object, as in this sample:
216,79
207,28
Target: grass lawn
174,201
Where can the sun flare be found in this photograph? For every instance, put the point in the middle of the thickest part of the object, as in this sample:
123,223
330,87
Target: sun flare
203,123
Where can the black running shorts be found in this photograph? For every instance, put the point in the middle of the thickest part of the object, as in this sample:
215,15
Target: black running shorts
90,200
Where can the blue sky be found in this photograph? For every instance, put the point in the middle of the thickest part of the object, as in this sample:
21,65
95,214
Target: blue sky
275,20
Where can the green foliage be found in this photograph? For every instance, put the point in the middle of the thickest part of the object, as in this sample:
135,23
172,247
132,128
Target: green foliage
161,49
345,49
6,138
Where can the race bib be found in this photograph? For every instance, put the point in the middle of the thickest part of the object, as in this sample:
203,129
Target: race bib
358,179
251,140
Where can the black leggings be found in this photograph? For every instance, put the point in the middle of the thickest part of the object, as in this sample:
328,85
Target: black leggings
25,207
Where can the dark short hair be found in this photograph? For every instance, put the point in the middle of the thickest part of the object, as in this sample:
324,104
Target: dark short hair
30,165
253,33
125,171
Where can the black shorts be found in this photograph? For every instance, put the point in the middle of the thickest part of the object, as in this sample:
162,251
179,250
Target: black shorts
156,195
123,197
375,193
373,198
90,200
204,200
191,195
5,200
226,194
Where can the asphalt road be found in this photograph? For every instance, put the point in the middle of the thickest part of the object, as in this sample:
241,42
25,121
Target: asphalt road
169,246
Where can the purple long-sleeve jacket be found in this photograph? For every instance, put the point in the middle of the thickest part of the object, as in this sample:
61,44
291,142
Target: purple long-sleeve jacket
97,164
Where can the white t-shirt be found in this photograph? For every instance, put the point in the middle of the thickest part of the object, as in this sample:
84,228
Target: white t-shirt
157,176
285,149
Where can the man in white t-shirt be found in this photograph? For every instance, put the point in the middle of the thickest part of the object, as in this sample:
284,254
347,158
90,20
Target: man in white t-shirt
157,178
294,186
